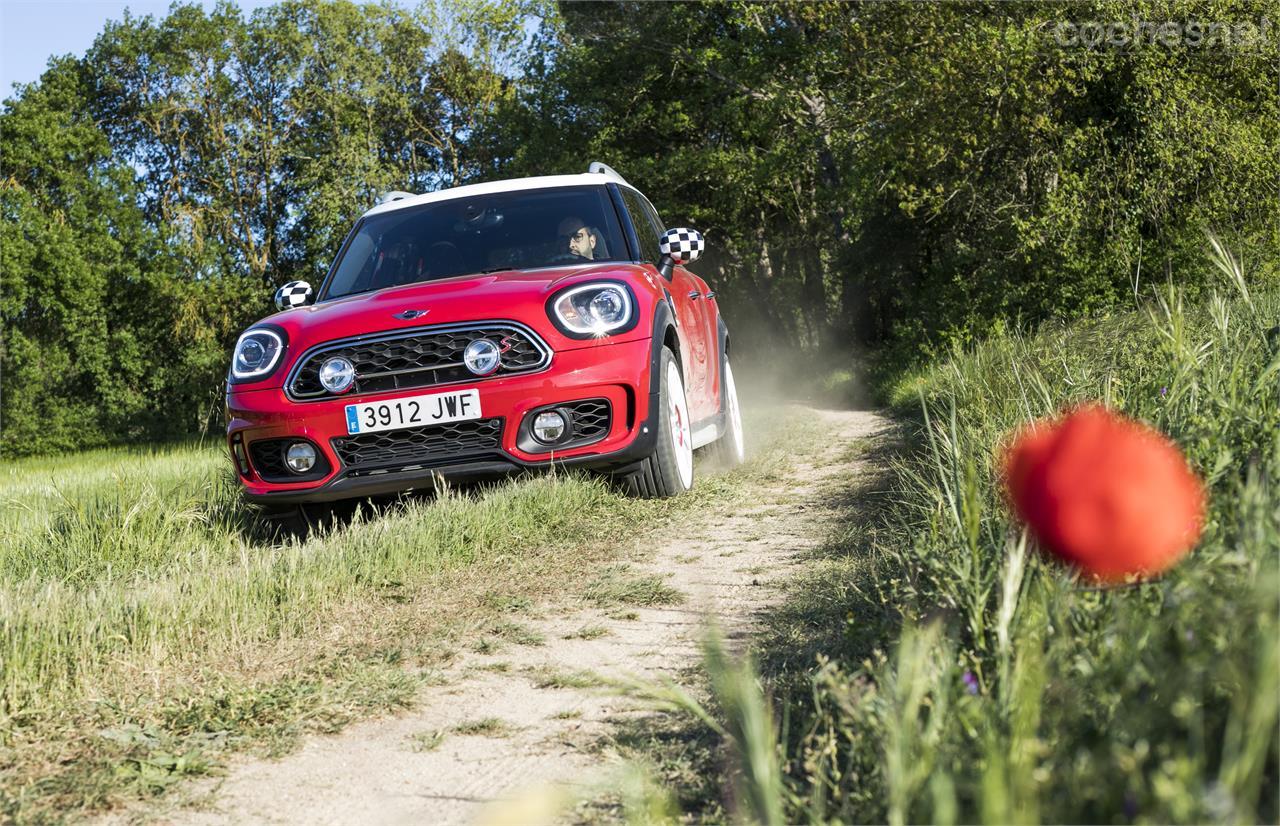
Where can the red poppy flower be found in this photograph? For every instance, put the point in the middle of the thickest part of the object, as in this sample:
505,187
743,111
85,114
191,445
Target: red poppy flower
1104,493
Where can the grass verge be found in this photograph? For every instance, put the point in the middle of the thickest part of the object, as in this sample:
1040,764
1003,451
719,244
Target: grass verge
930,667
961,678
149,625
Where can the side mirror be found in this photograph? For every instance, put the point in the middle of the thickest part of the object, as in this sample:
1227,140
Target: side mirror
679,246
293,294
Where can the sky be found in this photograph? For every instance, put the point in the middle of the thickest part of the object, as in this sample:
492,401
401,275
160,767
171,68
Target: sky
32,31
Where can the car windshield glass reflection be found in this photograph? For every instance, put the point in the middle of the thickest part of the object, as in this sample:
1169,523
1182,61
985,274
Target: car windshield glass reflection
489,233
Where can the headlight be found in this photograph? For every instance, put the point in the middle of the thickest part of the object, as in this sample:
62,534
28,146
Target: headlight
593,310
300,457
482,357
548,427
257,353
337,375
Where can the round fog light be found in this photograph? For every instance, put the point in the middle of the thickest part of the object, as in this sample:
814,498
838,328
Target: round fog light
548,427
481,357
300,457
337,375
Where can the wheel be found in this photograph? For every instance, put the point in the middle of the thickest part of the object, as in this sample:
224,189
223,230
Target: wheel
668,470
730,449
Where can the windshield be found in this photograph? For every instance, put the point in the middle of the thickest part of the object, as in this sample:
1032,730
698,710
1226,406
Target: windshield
506,230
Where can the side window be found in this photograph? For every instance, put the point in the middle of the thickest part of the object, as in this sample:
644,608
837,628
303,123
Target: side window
658,226
642,216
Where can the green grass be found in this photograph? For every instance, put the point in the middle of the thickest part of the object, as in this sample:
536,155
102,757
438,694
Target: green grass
616,586
484,727
932,668
549,677
138,595
588,632
424,741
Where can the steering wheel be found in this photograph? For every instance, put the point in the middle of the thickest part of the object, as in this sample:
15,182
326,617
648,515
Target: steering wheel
566,258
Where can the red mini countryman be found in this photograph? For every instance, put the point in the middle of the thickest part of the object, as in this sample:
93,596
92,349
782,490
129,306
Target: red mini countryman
483,330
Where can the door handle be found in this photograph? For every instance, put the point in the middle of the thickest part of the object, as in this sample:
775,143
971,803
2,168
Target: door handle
694,295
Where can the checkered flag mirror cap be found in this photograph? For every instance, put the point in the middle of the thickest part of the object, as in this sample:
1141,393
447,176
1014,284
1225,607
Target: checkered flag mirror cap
293,294
682,245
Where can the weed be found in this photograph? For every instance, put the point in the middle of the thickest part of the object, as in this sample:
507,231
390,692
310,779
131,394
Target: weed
617,587
484,727
549,677
516,633
588,632
424,741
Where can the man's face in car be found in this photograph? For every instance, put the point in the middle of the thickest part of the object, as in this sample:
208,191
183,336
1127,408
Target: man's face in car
582,243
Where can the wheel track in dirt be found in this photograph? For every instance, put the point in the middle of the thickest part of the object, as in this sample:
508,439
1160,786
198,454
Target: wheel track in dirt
728,566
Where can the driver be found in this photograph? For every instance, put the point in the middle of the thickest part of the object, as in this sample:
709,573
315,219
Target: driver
581,238
394,264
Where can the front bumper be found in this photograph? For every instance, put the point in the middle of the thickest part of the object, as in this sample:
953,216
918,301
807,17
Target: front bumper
616,372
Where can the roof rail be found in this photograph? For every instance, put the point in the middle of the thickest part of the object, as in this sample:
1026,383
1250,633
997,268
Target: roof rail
605,169
395,195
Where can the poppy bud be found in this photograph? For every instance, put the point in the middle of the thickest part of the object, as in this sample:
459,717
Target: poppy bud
1106,494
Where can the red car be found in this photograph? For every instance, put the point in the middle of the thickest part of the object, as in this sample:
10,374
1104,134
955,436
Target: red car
482,330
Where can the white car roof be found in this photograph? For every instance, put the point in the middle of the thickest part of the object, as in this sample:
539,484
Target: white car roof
511,185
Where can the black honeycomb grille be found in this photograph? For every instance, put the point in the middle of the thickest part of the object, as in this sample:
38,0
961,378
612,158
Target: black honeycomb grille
591,419
267,456
423,358
420,445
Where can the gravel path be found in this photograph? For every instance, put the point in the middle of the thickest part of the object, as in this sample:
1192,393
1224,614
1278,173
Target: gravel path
727,564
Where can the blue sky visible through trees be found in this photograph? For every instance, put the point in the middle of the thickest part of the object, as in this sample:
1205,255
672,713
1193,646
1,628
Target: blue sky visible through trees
32,31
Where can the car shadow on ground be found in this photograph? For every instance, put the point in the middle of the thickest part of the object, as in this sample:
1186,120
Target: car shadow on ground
299,523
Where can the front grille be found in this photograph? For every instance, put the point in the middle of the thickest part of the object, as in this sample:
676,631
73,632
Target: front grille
419,358
591,420
424,446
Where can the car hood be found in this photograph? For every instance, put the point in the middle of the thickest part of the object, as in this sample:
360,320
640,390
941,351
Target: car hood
514,295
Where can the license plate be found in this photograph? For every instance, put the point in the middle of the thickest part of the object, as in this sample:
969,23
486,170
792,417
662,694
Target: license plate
413,411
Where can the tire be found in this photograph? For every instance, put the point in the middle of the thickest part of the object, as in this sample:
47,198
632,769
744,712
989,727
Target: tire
730,449
668,470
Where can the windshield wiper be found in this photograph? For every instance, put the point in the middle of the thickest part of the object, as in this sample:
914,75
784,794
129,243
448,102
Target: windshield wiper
495,269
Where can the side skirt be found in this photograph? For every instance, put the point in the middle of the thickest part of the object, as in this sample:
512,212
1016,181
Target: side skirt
708,430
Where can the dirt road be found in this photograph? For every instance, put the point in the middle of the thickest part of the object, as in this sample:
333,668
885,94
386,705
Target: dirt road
522,717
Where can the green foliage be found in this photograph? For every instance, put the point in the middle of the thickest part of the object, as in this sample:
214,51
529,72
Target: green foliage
87,302
889,175
158,189
909,174
971,680
856,191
